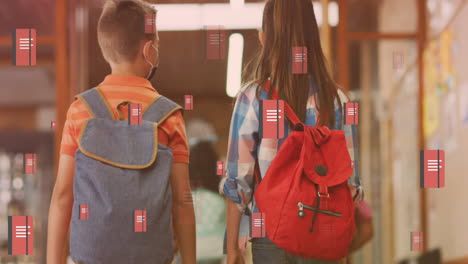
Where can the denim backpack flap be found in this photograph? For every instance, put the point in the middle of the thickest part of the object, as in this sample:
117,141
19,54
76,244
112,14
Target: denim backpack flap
119,144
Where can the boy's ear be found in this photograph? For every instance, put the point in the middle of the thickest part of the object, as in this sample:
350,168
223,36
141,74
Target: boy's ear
261,37
145,46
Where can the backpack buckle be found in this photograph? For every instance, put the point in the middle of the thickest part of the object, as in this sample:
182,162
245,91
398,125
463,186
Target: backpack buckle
325,195
323,191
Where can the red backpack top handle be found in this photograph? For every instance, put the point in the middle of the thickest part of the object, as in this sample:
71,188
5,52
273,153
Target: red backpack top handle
291,115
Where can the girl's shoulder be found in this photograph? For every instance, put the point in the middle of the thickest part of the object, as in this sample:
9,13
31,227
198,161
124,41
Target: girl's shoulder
254,91
249,90
343,97
249,97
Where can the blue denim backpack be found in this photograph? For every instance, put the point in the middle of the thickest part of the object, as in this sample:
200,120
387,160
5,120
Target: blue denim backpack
120,170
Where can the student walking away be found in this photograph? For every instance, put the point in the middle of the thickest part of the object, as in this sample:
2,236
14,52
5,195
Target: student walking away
123,168
290,158
210,207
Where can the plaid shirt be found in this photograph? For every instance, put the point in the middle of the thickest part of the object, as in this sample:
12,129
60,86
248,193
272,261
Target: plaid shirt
245,146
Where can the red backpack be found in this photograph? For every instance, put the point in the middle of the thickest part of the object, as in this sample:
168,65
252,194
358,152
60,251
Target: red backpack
308,206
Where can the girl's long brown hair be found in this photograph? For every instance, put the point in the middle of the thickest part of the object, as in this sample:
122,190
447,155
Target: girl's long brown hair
288,24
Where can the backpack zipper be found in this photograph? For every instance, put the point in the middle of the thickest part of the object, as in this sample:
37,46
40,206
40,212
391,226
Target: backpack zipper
301,213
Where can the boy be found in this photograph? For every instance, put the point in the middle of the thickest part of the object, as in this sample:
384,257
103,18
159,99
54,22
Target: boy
133,56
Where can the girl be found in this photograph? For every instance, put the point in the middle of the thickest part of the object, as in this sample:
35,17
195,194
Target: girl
314,97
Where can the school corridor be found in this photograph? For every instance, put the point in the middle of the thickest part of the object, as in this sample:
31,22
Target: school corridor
403,62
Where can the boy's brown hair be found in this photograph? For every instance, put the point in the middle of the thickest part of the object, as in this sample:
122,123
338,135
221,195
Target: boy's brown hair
121,28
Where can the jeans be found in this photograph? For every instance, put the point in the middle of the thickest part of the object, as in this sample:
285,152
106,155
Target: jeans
266,252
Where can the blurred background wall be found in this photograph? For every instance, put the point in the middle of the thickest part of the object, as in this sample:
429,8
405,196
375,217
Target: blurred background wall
446,218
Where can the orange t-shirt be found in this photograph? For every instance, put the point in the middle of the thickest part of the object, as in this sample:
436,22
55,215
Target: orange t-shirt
116,89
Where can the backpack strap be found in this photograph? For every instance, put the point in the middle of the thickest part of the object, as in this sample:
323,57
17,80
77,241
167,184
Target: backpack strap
287,109
96,104
160,109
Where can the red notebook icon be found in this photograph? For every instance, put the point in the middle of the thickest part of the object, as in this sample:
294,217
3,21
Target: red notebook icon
215,42
20,235
432,172
188,102
351,116
220,168
30,163
150,23
272,119
299,60
134,114
417,241
139,220
24,47
84,212
258,225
